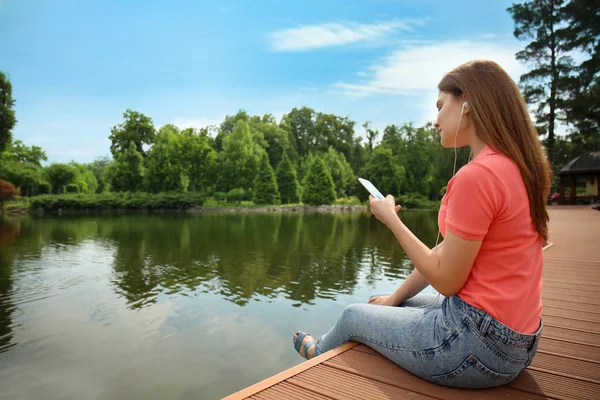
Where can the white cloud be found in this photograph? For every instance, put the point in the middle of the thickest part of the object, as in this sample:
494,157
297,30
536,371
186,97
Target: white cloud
489,36
414,71
336,34
418,69
197,123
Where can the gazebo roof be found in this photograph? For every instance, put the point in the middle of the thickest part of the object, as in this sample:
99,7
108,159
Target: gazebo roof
584,164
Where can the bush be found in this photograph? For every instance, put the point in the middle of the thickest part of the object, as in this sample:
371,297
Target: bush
236,195
115,201
44,188
417,201
348,201
7,192
72,188
220,196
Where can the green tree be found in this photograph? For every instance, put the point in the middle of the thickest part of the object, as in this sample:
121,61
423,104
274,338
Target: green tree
318,184
341,172
542,22
21,165
33,155
287,181
300,125
164,165
60,175
265,185
137,129
583,102
385,171
239,160
85,180
7,114
199,160
98,168
274,139
371,135
127,173
332,131
228,126
418,163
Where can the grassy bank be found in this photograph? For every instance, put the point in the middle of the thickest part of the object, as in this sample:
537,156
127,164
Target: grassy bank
117,201
181,201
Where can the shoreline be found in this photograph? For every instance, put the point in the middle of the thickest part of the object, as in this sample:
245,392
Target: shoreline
195,210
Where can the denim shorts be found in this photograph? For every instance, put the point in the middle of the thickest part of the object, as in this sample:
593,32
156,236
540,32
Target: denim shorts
448,341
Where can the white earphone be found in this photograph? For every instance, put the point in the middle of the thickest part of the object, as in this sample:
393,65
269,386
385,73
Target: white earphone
462,110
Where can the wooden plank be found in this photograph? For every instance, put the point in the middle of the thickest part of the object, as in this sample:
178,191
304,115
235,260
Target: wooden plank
569,313
555,386
574,299
366,362
573,286
569,349
285,390
251,390
342,385
590,339
572,323
560,303
571,292
577,369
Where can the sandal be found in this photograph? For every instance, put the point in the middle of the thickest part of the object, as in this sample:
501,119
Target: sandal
307,345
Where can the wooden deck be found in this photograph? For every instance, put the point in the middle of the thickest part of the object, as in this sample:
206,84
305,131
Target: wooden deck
567,365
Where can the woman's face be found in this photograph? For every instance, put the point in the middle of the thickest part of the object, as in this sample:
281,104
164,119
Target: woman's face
449,109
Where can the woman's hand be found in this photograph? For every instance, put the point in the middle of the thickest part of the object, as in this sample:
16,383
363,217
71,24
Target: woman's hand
384,210
382,301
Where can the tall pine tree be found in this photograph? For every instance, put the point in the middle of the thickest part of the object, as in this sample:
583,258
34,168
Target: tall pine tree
318,184
583,103
542,22
287,181
265,185
7,114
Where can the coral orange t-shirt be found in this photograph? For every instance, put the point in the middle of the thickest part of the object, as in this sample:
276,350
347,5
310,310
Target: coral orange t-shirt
487,200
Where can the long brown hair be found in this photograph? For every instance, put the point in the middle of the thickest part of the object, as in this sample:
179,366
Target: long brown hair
501,119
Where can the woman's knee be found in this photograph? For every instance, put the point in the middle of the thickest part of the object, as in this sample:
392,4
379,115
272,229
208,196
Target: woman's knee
354,313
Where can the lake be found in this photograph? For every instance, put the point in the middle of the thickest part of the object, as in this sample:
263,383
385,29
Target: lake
176,306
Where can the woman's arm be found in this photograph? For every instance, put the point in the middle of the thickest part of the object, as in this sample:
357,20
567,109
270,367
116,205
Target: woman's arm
446,272
414,284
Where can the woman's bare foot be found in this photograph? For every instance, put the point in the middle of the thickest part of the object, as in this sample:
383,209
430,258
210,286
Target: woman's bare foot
305,339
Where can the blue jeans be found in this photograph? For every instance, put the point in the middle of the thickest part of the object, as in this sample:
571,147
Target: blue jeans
447,341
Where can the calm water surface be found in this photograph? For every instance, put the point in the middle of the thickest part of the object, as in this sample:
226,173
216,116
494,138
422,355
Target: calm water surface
175,306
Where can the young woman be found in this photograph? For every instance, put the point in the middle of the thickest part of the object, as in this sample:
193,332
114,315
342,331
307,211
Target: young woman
486,328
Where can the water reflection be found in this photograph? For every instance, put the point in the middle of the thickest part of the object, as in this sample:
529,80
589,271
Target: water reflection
117,301
237,256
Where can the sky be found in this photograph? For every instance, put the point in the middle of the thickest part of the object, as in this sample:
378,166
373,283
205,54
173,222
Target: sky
76,66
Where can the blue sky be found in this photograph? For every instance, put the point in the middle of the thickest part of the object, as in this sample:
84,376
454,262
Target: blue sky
76,66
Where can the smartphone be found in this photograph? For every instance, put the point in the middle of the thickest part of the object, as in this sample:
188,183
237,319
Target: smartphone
371,188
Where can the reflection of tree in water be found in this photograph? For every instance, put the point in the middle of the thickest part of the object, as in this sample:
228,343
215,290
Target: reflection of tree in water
9,231
238,256
244,256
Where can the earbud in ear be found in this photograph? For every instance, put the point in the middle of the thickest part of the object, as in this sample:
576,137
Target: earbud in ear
463,108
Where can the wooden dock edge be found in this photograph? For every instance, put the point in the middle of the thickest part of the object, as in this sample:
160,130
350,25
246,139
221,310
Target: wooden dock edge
288,373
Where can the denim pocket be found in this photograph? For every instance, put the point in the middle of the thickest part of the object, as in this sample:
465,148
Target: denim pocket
473,374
